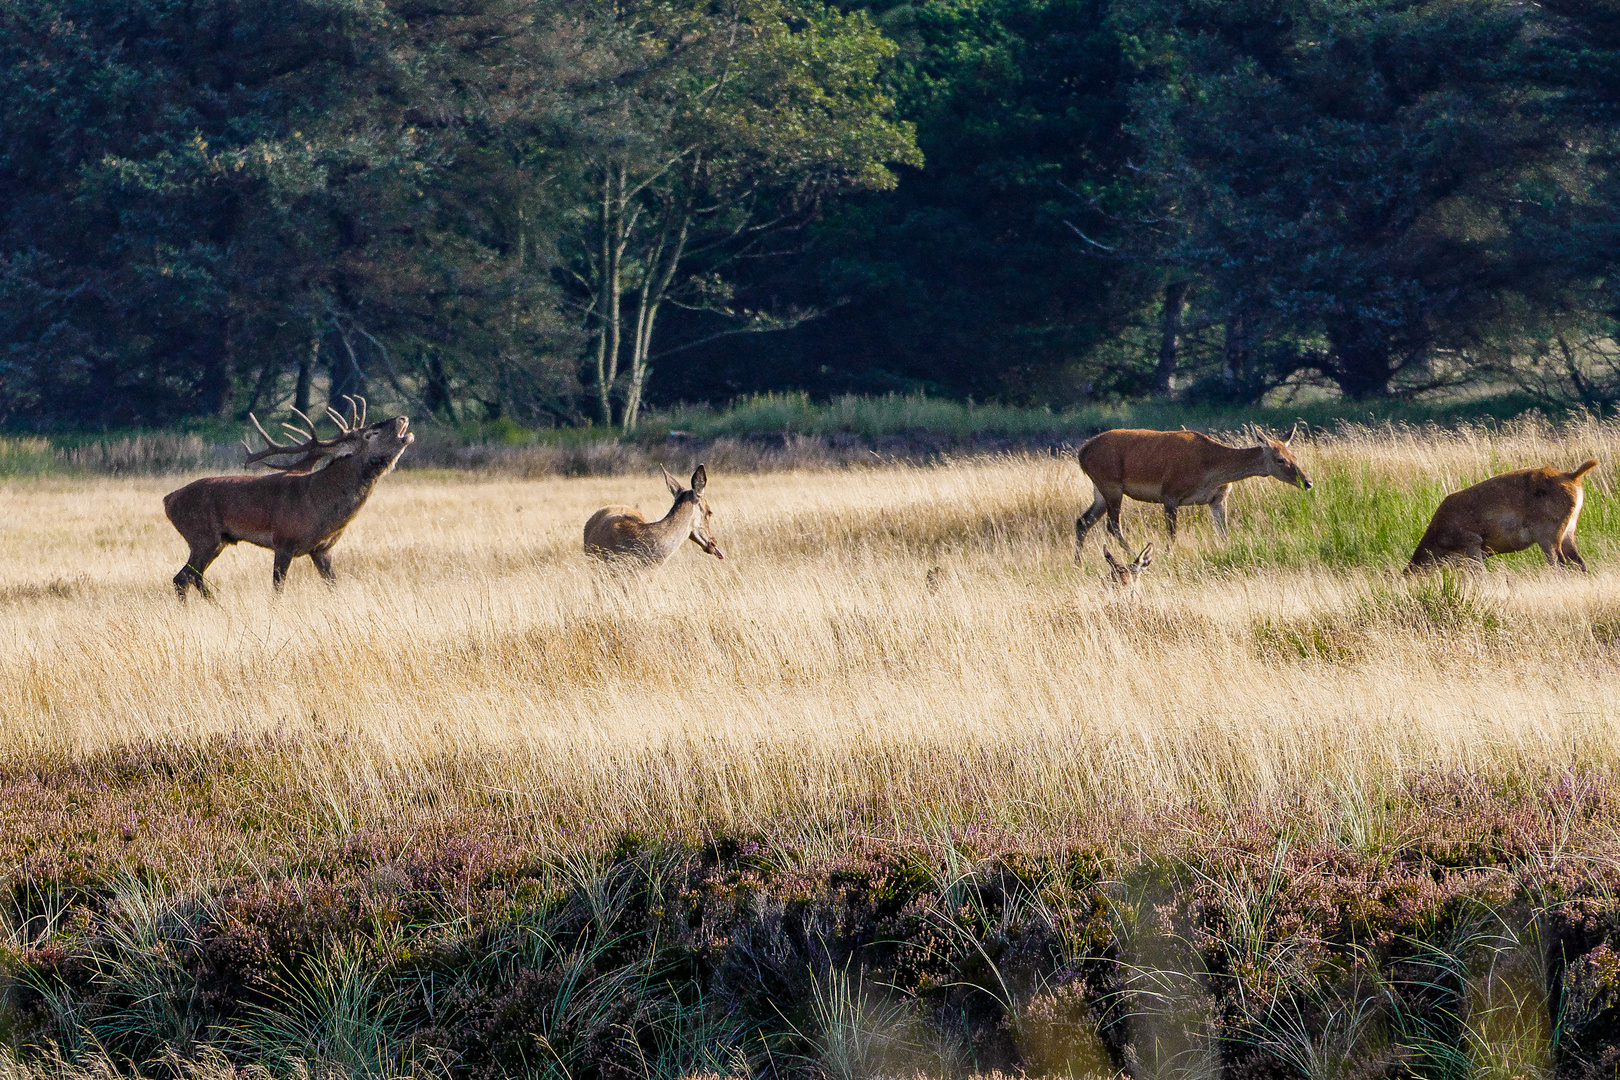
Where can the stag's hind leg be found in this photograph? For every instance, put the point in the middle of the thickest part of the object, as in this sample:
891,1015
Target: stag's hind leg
191,574
323,563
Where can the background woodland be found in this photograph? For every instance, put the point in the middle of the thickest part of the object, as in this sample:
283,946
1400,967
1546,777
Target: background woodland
558,213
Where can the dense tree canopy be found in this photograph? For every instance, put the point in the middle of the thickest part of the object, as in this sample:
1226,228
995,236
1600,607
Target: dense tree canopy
561,212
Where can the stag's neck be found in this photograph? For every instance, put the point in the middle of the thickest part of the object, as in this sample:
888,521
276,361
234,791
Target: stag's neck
343,487
665,536
1239,463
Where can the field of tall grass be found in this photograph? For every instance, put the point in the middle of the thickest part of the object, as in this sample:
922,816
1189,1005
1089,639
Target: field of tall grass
487,808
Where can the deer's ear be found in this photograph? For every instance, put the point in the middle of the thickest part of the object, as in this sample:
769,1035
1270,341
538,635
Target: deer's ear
700,480
1291,433
670,482
1145,556
1115,563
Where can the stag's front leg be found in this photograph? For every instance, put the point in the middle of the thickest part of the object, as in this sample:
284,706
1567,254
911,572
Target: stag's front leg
323,563
279,573
1170,521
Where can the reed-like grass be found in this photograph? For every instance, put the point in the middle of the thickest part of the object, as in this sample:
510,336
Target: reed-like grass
472,660
875,416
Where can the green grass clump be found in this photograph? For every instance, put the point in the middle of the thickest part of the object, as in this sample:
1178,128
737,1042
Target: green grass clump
1349,519
26,456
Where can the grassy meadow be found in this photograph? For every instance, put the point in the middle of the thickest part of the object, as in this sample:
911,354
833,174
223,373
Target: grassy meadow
488,808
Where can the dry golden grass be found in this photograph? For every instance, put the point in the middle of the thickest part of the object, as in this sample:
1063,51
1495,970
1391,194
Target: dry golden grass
472,655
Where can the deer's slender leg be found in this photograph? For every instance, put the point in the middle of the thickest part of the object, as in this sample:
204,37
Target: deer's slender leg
1571,557
1217,510
1085,521
1170,521
279,573
1113,516
191,574
323,563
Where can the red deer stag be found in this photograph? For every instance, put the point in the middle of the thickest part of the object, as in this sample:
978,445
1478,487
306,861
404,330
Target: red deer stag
1508,513
620,532
1175,468
301,510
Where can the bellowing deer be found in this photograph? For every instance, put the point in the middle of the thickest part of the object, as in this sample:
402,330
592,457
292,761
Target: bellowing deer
620,532
1508,513
1175,468
301,510
1128,575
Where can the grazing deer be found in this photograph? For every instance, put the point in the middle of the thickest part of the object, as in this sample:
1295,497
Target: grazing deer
1127,576
1175,468
620,532
300,510
1508,513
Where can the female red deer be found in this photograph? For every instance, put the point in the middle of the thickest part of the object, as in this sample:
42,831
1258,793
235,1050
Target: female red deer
1175,468
298,512
620,532
1508,513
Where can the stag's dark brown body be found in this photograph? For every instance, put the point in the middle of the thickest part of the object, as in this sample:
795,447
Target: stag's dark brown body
291,513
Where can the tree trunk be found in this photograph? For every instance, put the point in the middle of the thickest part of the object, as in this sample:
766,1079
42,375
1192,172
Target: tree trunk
609,291
348,378
269,375
219,387
436,393
1362,363
661,269
1175,302
1235,350
306,368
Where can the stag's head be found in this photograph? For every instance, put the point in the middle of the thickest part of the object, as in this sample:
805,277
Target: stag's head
379,446
1280,460
702,516
375,447
1127,575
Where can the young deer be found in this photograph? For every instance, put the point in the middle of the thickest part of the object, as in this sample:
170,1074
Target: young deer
1128,576
620,532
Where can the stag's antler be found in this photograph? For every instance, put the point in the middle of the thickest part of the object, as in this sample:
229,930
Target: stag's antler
357,414
313,449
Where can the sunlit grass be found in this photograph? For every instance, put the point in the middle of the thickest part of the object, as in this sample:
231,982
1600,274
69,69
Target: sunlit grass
472,657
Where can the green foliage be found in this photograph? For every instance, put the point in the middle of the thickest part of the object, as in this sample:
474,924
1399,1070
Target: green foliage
1342,180
522,208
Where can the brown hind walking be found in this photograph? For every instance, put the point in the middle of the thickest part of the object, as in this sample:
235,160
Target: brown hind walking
620,532
1174,469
